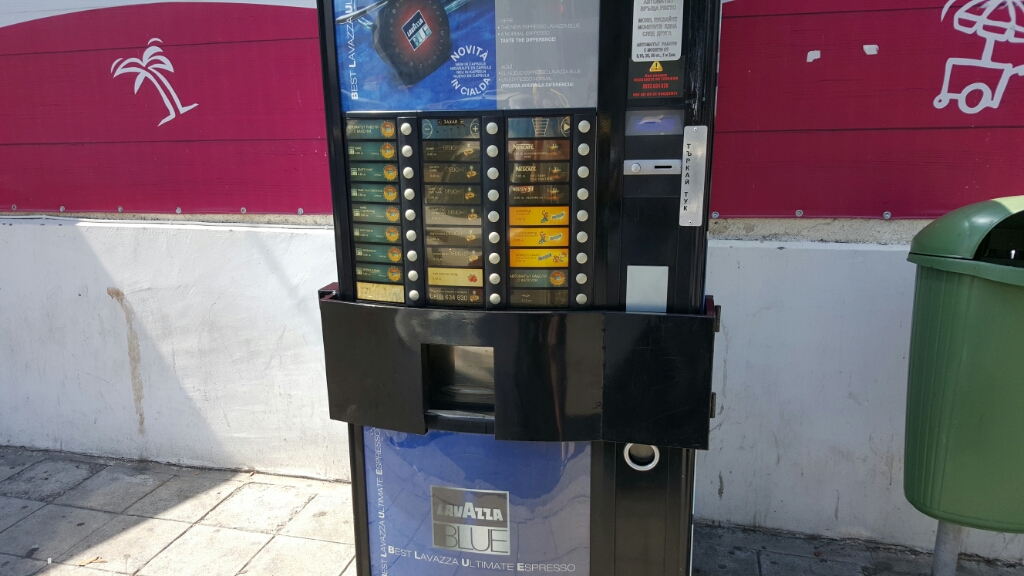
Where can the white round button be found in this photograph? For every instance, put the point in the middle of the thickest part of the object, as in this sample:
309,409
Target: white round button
410,235
583,193
406,128
408,172
414,295
493,173
410,215
493,216
494,237
495,299
494,258
412,256
413,275
584,149
581,258
635,168
581,278
492,151
581,299
492,128
582,237
410,194
493,195
407,151
582,215
583,171
584,126
494,278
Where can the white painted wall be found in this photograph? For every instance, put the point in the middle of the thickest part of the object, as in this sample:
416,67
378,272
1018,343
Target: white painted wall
810,366
811,373
229,361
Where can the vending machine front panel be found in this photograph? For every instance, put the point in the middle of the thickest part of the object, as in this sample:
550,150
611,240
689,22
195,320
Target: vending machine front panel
519,338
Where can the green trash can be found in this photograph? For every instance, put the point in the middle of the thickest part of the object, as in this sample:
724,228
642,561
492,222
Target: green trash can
965,390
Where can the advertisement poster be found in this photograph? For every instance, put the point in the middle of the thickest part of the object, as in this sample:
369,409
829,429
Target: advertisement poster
450,504
467,54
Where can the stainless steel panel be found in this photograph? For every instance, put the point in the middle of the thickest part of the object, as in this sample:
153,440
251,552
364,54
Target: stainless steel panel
695,163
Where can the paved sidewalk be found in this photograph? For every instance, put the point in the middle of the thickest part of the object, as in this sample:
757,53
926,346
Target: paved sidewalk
740,552
59,512
65,515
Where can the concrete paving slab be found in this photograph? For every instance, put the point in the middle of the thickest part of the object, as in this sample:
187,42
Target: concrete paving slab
126,543
709,560
14,461
48,479
299,557
51,531
14,566
223,475
351,569
70,570
14,509
206,551
185,498
303,484
158,468
973,568
775,564
258,508
326,517
897,561
113,490
728,537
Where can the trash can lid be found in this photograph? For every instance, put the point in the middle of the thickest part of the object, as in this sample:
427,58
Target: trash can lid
960,233
984,240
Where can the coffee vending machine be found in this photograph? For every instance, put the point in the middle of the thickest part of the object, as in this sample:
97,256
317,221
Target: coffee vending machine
519,338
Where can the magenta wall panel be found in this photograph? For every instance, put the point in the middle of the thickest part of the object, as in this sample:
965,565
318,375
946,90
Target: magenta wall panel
830,108
75,132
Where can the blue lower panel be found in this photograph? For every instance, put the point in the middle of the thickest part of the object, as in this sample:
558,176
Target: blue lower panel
449,504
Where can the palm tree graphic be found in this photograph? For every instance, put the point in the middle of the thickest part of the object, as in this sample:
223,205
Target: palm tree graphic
148,68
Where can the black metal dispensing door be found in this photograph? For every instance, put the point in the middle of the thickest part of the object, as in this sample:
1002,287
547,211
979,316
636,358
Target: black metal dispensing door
519,338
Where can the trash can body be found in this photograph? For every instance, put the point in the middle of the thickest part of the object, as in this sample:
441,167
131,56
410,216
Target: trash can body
965,401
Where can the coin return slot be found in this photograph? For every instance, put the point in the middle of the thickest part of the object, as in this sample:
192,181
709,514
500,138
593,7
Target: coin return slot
459,380
641,457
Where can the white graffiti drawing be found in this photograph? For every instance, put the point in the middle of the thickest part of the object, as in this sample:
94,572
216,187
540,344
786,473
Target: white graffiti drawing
148,68
995,21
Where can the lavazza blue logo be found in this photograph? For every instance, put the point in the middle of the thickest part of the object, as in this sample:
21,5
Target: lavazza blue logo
470,520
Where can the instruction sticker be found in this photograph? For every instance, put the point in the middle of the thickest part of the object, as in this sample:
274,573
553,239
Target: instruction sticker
657,30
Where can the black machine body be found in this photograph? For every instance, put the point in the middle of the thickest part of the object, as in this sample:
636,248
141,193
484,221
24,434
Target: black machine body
519,338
